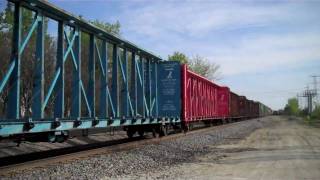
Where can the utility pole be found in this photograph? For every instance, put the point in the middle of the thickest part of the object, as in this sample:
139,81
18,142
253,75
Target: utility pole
300,101
309,94
315,87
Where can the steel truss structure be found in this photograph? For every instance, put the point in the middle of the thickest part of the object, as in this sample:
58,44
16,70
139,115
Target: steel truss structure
134,102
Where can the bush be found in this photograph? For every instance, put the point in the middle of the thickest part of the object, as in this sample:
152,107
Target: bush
292,107
316,113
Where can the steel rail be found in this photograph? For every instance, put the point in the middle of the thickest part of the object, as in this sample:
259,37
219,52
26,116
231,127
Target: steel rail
83,154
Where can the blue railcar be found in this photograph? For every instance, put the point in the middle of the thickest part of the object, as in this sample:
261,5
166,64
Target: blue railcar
122,85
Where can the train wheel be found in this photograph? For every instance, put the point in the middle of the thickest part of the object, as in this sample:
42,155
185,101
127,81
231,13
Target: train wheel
141,133
85,132
163,130
186,128
167,130
51,137
155,133
177,129
60,138
130,133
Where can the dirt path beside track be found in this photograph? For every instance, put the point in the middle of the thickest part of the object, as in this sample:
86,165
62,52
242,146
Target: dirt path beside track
286,149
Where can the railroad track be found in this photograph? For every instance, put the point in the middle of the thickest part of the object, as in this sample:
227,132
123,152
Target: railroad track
13,164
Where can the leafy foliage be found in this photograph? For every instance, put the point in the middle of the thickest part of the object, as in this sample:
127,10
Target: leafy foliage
198,64
205,68
316,113
28,58
292,107
109,27
178,56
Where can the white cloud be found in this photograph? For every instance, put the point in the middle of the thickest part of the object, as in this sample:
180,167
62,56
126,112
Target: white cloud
166,26
197,18
257,54
249,39
245,38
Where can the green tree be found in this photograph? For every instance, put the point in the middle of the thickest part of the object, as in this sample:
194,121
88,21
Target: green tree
28,61
316,113
178,56
198,64
205,68
113,28
292,107
27,57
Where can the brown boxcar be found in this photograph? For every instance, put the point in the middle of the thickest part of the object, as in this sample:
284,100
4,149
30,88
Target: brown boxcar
256,109
250,110
234,105
253,109
247,108
242,106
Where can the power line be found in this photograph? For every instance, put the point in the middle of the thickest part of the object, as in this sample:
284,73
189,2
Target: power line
309,94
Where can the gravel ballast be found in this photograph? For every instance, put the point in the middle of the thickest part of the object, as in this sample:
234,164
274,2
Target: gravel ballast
145,159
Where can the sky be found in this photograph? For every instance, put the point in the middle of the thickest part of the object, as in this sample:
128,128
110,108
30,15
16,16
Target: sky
267,50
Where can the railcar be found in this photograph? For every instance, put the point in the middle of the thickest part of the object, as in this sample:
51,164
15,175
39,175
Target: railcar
242,106
234,105
202,100
264,110
256,109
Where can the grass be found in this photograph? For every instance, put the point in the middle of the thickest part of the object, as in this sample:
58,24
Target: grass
311,120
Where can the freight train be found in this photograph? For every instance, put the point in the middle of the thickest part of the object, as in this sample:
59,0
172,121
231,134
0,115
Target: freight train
202,101
186,99
120,85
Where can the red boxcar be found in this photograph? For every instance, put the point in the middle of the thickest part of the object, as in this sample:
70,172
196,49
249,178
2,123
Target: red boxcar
202,99
223,102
